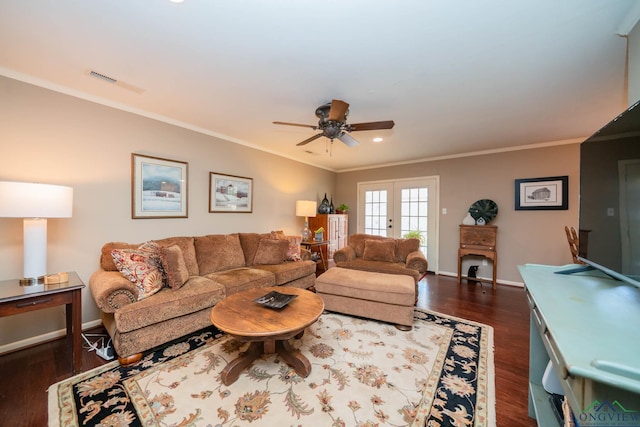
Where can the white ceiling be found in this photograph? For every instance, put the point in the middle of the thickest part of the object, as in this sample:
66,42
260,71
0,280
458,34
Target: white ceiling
456,76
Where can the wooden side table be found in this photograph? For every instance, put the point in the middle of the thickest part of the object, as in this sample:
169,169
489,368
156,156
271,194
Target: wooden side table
319,248
16,299
478,240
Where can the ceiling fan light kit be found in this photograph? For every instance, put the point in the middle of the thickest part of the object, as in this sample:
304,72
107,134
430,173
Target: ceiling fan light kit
333,124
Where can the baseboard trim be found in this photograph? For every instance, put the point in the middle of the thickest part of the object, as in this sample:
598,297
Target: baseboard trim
484,279
39,339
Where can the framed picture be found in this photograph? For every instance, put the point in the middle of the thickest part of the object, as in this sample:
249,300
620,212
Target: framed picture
230,193
551,193
158,187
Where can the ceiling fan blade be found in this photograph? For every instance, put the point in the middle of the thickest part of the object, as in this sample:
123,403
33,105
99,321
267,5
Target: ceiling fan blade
348,140
308,140
295,124
338,110
388,124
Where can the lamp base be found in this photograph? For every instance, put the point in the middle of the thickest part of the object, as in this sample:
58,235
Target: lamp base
35,247
31,281
306,233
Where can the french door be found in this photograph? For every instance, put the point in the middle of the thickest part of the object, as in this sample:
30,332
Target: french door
395,208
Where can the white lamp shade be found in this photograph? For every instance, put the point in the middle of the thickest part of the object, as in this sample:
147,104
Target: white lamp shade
306,208
35,203
31,200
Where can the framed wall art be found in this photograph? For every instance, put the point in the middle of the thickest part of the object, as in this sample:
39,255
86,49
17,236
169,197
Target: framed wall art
158,187
551,193
230,193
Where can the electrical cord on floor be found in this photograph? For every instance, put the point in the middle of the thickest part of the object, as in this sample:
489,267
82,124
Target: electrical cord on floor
93,346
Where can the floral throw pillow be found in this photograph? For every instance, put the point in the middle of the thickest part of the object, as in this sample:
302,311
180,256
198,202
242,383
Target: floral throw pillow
293,252
142,267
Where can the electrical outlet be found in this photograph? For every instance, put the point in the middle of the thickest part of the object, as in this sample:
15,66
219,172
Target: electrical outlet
105,352
484,262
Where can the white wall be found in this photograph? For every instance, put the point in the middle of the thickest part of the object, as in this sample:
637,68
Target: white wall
53,138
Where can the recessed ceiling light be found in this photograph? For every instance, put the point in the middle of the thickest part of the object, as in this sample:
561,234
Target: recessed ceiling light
378,139
176,1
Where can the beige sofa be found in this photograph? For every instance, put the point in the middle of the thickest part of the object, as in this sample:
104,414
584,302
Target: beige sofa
198,272
383,255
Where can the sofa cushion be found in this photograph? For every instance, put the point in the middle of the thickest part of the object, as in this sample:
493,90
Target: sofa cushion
142,267
106,259
196,294
271,251
379,250
357,241
175,269
293,252
249,243
188,248
404,247
289,271
240,279
380,267
218,252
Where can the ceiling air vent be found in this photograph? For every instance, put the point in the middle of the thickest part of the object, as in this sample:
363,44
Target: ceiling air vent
102,76
116,82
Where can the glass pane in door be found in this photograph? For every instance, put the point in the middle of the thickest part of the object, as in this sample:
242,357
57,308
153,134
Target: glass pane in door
375,212
414,204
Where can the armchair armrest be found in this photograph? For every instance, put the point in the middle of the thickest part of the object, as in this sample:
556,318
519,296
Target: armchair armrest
111,290
345,254
417,261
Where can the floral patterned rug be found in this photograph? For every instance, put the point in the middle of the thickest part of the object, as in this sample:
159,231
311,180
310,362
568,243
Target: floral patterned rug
364,373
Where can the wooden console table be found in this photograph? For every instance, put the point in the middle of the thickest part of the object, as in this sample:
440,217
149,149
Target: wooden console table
478,240
586,324
16,299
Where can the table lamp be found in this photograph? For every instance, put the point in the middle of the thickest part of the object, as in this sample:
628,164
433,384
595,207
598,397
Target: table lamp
306,208
35,203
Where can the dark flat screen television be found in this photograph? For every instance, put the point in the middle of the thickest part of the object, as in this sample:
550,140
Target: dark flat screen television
610,197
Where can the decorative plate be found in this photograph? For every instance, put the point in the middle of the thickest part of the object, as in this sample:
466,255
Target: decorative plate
485,209
275,299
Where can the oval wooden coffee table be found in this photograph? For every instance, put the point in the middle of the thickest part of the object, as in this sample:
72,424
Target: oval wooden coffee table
268,330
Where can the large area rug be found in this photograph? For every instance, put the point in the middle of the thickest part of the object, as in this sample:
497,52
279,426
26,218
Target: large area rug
364,373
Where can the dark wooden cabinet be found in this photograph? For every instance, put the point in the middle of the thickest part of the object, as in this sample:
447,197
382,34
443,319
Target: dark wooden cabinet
478,240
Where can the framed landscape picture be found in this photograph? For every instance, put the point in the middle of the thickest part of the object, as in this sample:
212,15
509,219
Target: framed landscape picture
230,193
551,193
158,187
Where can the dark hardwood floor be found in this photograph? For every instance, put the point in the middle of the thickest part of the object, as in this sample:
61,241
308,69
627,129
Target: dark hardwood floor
27,374
507,311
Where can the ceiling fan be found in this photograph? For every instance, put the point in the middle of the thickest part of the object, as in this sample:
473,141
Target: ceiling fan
333,124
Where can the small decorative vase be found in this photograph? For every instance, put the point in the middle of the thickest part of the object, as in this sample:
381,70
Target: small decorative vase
332,209
324,205
468,220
